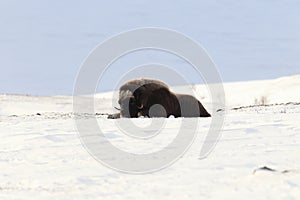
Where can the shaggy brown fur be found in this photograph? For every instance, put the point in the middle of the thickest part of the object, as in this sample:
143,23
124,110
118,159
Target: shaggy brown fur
152,98
178,105
127,101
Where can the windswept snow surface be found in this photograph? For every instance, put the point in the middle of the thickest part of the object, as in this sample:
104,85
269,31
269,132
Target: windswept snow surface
41,156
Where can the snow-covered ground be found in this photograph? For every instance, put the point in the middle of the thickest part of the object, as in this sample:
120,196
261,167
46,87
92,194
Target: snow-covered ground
41,156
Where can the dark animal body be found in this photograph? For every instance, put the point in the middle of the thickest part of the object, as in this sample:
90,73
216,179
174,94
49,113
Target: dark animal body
153,98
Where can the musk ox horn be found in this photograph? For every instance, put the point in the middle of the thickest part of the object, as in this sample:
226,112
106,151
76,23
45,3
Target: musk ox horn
140,107
117,108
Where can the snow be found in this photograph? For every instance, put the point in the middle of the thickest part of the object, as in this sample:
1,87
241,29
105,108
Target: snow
281,90
41,156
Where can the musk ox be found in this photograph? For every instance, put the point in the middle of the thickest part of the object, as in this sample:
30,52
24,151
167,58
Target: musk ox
153,98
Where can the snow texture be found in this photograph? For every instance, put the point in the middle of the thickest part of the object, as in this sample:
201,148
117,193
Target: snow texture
41,156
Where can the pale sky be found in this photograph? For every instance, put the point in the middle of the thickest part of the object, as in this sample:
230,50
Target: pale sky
43,43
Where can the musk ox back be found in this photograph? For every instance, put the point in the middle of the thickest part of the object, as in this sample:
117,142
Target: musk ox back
153,98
